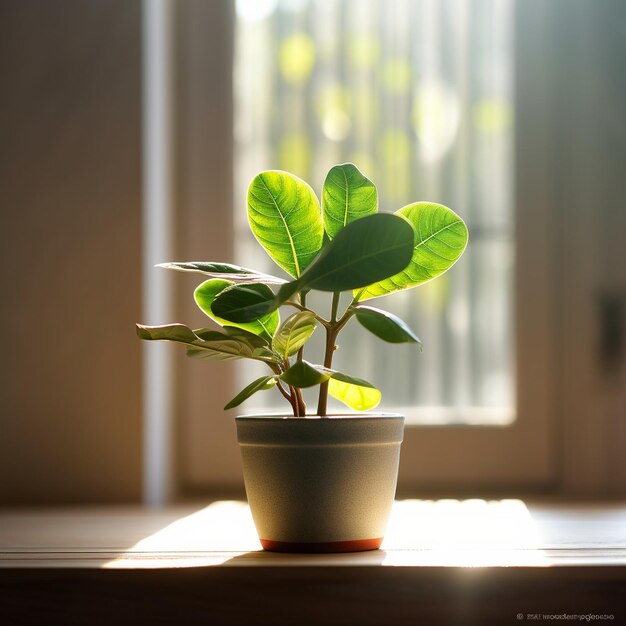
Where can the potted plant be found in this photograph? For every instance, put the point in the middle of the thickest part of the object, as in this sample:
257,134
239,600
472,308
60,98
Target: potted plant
317,482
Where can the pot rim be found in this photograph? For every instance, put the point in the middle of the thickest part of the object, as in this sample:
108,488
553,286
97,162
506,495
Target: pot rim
331,417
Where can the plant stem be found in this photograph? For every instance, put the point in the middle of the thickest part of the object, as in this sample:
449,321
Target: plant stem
296,394
288,397
301,351
295,404
331,336
301,403
335,306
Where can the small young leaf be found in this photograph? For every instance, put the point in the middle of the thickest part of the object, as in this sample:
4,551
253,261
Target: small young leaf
169,332
304,374
294,333
227,271
205,294
212,345
440,239
259,345
356,393
387,326
255,341
267,354
260,384
365,251
284,216
347,195
207,353
223,348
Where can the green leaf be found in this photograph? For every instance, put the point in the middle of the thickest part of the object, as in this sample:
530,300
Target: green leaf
365,251
304,374
440,239
356,393
205,294
170,332
267,354
260,384
347,195
256,341
244,303
259,345
387,326
284,216
294,333
212,345
227,271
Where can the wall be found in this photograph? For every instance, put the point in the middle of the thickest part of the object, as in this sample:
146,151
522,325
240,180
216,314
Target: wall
590,84
70,203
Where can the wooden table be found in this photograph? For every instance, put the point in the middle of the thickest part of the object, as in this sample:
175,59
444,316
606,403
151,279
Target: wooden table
444,561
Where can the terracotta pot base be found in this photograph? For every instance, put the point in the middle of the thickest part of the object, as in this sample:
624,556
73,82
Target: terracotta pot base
358,545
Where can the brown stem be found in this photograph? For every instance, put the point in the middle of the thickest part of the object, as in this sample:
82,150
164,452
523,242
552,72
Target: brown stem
301,403
283,391
289,398
301,351
331,337
295,404
299,407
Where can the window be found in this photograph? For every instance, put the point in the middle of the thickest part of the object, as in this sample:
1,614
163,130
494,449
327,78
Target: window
419,96
521,304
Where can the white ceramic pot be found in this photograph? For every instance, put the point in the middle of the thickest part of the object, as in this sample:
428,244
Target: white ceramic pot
320,484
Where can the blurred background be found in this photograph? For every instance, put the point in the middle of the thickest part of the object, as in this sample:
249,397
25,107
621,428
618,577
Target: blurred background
129,133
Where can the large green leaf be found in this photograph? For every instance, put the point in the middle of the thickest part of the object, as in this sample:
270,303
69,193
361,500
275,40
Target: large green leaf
205,294
347,195
227,271
284,216
356,393
260,384
365,251
212,345
387,326
440,239
294,333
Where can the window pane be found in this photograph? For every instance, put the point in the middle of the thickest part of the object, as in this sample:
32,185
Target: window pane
417,93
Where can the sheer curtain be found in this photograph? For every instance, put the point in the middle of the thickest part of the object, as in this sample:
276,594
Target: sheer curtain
418,94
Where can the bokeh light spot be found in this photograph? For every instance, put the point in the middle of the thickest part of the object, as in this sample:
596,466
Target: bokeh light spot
336,124
492,115
435,119
397,75
255,10
363,51
294,154
297,58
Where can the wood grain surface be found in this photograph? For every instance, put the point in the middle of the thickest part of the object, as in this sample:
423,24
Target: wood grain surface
443,561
